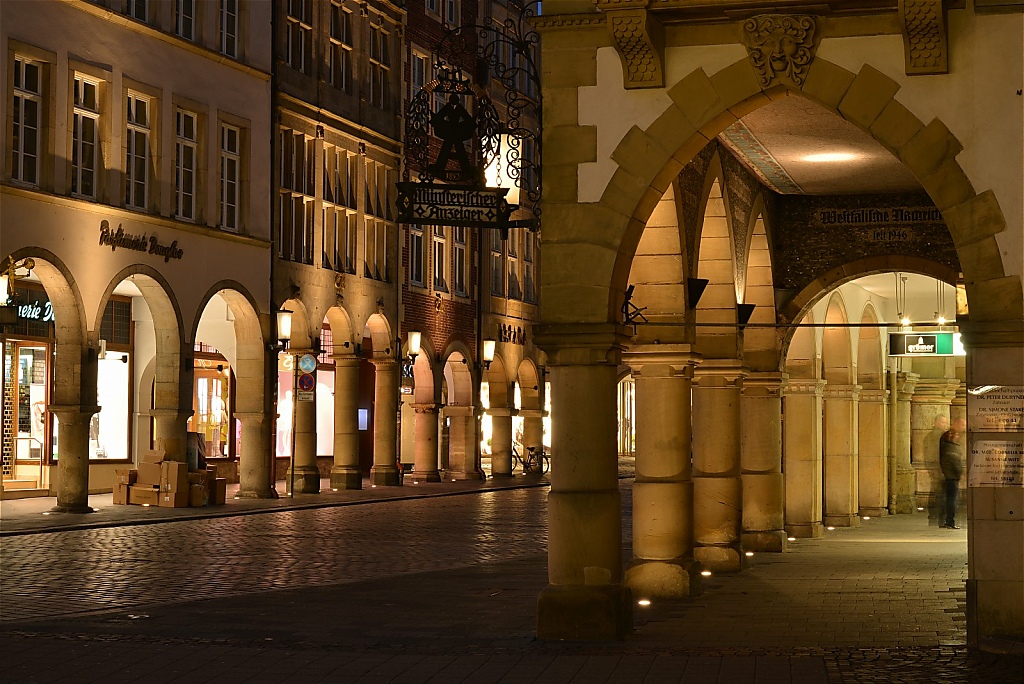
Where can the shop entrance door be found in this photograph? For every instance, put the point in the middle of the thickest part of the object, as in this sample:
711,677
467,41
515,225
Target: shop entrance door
211,404
27,434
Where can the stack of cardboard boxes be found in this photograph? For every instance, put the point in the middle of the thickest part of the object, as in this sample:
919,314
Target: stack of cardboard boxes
158,482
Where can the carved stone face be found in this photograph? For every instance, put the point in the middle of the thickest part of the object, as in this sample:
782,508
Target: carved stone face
780,47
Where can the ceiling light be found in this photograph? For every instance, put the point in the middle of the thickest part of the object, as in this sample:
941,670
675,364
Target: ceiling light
829,157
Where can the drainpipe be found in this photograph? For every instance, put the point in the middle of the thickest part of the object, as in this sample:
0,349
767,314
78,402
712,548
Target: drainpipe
271,365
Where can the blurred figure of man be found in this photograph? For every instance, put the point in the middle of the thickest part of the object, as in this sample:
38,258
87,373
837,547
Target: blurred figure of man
952,465
937,482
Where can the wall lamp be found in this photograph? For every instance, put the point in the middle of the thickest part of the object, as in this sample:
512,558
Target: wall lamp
8,276
743,314
284,330
488,353
414,339
694,290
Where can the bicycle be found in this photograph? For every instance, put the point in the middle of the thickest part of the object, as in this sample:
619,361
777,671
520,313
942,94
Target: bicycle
537,461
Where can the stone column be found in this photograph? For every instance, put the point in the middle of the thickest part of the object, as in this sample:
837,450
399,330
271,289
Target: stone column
425,456
307,473
501,441
533,428
802,457
585,598
663,563
170,432
72,457
761,461
463,438
255,481
873,458
839,455
345,474
929,418
717,488
902,498
385,423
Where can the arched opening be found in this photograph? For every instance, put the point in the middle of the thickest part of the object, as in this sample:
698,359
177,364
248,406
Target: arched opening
839,441
496,422
460,423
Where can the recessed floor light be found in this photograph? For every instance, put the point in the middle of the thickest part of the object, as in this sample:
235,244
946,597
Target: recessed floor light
830,528
790,538
643,602
749,554
706,573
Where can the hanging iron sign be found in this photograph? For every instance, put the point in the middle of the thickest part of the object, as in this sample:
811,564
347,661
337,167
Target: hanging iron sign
447,205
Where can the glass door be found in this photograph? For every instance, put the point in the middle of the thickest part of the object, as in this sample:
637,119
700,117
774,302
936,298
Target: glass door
27,371
212,410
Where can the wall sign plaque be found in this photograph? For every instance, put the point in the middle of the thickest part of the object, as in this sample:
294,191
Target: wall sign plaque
996,463
1000,409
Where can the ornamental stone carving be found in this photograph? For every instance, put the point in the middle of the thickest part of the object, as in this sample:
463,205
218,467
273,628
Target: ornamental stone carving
639,39
781,47
924,36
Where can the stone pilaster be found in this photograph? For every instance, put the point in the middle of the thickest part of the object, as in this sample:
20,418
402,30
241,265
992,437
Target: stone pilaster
839,455
929,418
255,480
873,455
901,473
717,488
170,432
73,457
307,474
761,462
425,456
663,563
802,457
463,441
585,598
501,441
385,423
345,473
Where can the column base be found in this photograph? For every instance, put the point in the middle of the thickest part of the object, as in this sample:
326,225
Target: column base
770,541
844,520
346,477
253,494
903,499
664,579
874,512
456,475
384,475
307,479
720,558
811,530
427,476
72,508
585,613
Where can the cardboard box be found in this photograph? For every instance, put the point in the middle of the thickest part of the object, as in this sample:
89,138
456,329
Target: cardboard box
126,476
152,456
143,495
198,495
218,491
199,477
149,474
120,494
212,470
178,499
173,476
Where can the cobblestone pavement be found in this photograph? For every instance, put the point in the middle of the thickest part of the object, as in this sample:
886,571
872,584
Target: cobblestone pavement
444,590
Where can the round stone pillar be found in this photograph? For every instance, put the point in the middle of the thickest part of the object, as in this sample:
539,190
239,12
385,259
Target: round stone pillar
385,423
929,418
585,598
170,432
663,563
73,457
802,457
463,440
255,481
501,441
717,488
533,428
307,473
902,498
839,455
873,456
761,462
345,474
424,467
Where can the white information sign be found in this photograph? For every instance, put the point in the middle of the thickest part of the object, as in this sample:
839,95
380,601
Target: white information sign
996,463
996,410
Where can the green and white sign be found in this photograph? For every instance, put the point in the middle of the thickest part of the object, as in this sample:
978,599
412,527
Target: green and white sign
926,344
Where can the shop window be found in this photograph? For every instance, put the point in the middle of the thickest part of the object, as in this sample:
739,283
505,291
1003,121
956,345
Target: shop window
459,255
341,47
185,165
299,35
185,18
84,142
136,167
229,27
27,111
230,177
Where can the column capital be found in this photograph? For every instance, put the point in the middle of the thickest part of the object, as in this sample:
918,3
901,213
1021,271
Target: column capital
384,362
532,413
171,413
426,408
905,384
73,414
874,396
453,411
765,384
661,360
501,411
813,386
716,372
250,416
832,391
348,360
582,344
935,390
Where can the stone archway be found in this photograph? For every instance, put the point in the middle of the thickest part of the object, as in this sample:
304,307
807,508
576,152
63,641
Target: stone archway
500,409
460,414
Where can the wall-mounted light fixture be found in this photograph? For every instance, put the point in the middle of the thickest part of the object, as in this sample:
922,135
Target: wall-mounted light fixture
284,329
8,276
414,339
743,314
488,353
694,290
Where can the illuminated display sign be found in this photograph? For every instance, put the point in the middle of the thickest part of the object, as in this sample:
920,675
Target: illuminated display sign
926,344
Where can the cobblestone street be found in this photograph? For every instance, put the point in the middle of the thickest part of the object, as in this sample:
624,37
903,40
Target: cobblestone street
444,590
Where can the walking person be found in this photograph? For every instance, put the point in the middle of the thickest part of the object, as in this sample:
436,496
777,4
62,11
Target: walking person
952,465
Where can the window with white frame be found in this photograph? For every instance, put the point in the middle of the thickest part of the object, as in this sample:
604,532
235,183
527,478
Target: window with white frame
229,27
376,244
459,254
433,6
185,18
230,176
497,263
380,68
299,35
440,245
419,68
416,255
27,110
84,137
451,12
341,47
138,9
512,260
185,157
529,260
136,165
